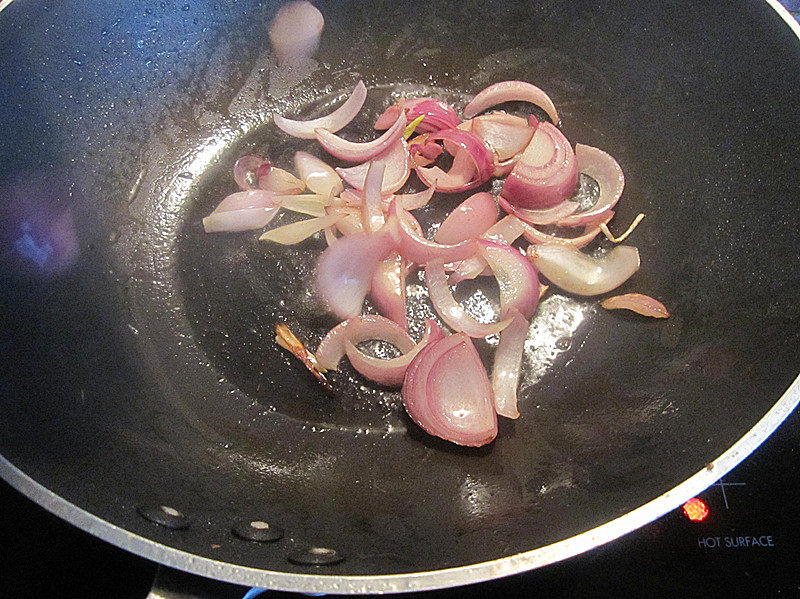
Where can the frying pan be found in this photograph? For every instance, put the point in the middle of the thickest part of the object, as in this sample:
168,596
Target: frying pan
138,366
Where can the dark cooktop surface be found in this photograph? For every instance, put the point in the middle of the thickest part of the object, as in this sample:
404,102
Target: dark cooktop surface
747,545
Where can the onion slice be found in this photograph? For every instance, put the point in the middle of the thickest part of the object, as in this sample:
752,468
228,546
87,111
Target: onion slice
447,393
294,32
372,215
350,223
242,211
391,372
507,362
590,231
511,91
280,181
311,204
545,174
299,231
415,248
395,158
246,219
357,330
412,201
601,167
506,231
388,289
360,152
346,269
468,220
246,169
463,145
389,115
573,271
317,175
516,276
453,313
505,135
251,198
458,178
332,122
437,115
641,304
547,216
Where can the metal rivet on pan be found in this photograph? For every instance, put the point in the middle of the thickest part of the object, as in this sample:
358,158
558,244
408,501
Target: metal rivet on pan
164,515
257,530
315,556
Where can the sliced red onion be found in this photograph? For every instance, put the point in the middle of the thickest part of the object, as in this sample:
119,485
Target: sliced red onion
590,231
511,91
547,216
501,169
506,231
252,198
357,330
601,167
395,159
350,224
346,269
412,201
391,372
516,276
330,235
280,181
452,181
507,363
389,115
470,219
332,122
388,289
641,304
244,171
415,248
438,115
506,136
331,348
245,219
311,204
446,392
299,231
453,313
317,175
295,31
351,198
242,211
424,151
372,215
546,174
573,271
409,201
458,178
361,152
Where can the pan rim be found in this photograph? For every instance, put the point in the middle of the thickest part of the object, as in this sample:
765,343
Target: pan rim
414,581
430,580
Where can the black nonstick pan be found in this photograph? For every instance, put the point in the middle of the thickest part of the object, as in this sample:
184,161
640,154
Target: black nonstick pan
138,364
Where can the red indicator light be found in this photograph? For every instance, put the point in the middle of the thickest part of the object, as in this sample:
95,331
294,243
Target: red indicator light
695,509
